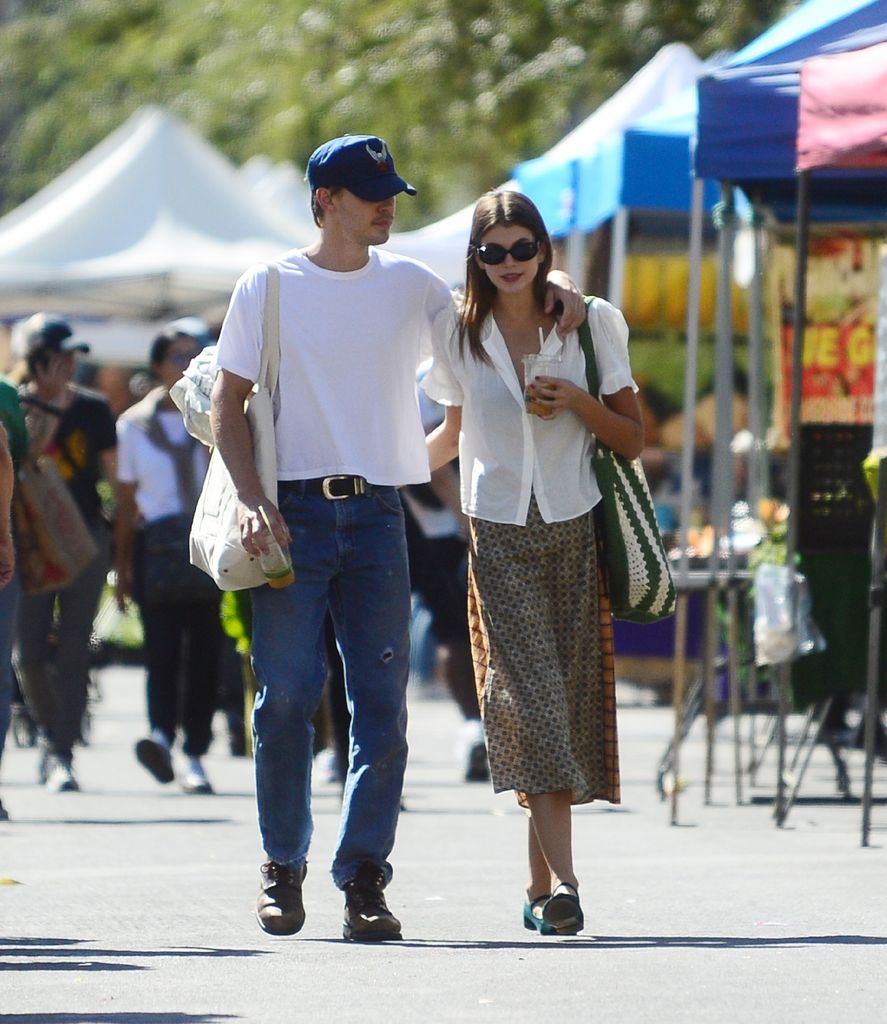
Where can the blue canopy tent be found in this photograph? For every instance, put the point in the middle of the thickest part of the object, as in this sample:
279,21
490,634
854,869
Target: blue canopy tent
657,170
557,181
578,183
646,166
746,132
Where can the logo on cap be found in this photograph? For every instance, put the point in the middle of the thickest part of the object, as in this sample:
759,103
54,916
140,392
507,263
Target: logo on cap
381,157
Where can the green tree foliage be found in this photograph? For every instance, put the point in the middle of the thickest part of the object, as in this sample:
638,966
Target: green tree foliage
462,89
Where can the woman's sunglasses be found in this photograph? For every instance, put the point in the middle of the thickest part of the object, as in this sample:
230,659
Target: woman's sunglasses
521,251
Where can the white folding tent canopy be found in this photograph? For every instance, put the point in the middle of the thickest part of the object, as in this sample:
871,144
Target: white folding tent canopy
151,223
281,188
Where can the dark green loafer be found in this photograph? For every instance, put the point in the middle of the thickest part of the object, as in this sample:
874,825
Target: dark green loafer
534,923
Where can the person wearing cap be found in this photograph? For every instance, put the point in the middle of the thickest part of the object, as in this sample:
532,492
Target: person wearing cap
353,321
75,428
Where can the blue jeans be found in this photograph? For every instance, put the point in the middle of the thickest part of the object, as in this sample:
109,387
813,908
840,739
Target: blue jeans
349,556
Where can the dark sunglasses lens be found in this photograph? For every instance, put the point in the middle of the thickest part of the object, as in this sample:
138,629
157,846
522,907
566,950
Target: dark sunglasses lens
492,253
522,251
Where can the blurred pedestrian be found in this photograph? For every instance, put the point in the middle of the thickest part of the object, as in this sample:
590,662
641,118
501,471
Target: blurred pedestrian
544,667
160,471
13,442
75,428
436,531
7,479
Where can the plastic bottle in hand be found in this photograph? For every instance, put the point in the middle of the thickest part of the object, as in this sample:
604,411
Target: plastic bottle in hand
277,566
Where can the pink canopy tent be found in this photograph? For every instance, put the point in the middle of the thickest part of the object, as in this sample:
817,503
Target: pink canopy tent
842,116
842,122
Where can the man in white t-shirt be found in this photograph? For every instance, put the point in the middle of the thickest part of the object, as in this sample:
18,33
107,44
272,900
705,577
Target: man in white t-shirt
353,322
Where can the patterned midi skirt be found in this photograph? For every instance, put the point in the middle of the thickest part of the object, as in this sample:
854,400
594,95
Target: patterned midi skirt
542,643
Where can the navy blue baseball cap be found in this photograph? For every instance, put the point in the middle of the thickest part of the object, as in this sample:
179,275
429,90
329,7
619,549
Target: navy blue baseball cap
359,163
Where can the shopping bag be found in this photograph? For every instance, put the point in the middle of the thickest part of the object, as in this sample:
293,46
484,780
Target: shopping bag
54,544
215,530
637,569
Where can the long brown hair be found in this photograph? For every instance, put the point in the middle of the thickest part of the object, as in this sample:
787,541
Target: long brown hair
494,208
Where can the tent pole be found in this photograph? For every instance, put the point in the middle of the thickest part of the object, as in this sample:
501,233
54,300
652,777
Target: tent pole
722,470
691,370
758,470
879,565
576,257
876,600
618,250
687,484
722,455
794,459
575,253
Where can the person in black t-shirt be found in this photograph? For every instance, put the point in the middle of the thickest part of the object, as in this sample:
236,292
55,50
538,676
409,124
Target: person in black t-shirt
76,429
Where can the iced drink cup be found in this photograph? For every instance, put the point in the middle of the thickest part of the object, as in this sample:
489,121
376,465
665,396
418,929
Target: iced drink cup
538,365
277,566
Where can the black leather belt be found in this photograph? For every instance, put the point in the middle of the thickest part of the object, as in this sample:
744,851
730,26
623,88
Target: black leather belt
333,488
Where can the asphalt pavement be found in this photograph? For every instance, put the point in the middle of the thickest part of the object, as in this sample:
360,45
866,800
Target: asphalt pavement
132,903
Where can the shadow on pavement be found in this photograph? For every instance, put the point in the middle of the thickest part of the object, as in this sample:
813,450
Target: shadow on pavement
642,942
115,1018
83,947
125,821
74,955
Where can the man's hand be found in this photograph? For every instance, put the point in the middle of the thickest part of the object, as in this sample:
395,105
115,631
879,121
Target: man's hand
571,311
254,532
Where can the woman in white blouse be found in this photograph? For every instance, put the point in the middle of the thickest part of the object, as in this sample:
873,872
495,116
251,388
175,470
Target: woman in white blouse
541,628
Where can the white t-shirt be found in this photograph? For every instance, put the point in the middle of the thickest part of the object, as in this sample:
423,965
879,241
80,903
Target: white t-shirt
505,455
433,522
152,470
349,347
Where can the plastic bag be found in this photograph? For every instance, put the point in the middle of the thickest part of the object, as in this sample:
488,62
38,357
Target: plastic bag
192,393
783,628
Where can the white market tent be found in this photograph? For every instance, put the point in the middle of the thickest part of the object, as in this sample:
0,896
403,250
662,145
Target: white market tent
283,191
152,223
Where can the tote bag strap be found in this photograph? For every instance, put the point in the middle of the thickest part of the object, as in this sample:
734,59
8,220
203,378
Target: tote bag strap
269,367
586,343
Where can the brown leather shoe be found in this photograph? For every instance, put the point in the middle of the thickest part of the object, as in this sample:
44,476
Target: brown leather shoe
367,917
279,906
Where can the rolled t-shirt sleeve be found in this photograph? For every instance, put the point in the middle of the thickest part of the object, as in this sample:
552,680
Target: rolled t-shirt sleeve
610,333
438,300
441,382
240,342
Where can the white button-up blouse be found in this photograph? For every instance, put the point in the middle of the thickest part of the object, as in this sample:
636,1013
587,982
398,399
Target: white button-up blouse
505,454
